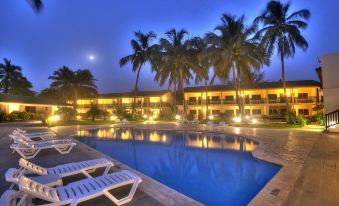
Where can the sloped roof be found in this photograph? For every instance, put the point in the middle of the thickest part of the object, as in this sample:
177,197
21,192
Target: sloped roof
263,85
28,100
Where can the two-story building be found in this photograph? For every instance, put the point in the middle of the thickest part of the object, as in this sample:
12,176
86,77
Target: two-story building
266,98
147,102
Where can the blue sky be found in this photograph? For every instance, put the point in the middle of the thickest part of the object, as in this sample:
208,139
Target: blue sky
67,32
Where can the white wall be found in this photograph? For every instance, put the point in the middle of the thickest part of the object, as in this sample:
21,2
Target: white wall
330,75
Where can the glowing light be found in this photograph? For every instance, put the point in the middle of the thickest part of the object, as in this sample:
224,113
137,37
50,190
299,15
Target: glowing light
55,118
91,57
247,117
113,117
237,119
78,117
288,93
13,107
177,117
164,99
145,116
164,138
254,121
211,117
204,142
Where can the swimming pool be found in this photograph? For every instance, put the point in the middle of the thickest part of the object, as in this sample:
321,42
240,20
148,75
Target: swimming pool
213,169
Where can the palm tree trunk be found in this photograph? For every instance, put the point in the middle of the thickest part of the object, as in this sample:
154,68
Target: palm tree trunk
283,78
235,82
241,102
181,88
175,96
206,101
135,91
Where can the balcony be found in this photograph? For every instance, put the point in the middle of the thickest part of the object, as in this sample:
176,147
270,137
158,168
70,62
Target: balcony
305,100
279,100
229,101
255,101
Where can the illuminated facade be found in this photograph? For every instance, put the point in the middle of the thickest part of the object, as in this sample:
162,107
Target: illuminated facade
10,103
147,102
260,99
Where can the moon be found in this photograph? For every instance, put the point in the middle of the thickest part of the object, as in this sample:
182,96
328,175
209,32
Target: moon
91,57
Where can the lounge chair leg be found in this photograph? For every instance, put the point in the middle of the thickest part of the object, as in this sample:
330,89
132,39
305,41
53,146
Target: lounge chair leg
107,170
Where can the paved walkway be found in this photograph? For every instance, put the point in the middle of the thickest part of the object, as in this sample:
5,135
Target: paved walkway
309,175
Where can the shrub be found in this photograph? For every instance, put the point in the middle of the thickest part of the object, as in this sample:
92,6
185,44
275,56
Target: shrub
23,116
300,120
3,116
166,114
13,116
290,118
320,119
190,117
66,113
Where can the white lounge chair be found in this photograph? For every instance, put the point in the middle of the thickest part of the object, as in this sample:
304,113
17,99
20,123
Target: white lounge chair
75,192
29,150
34,136
64,170
18,130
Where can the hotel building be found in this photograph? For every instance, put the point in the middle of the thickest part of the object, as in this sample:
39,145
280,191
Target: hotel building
260,99
147,102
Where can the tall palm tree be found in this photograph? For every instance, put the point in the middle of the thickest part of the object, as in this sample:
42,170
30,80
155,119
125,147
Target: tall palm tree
176,62
233,51
282,31
8,74
73,84
142,51
36,5
12,81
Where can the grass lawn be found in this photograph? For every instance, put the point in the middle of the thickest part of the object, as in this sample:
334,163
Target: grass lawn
81,122
280,126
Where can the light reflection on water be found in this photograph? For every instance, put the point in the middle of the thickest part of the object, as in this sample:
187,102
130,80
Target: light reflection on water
213,169
194,140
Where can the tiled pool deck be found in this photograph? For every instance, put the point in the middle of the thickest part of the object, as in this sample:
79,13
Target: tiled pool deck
309,176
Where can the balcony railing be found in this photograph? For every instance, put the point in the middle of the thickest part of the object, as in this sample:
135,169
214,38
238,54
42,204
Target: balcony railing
279,100
305,100
138,104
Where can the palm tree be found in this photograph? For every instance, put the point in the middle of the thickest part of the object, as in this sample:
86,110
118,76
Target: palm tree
282,31
73,84
142,51
12,81
176,62
233,51
36,5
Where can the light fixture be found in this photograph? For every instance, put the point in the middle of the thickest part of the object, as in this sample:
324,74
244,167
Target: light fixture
113,117
145,116
247,117
254,121
237,119
177,117
164,99
211,117
55,118
78,117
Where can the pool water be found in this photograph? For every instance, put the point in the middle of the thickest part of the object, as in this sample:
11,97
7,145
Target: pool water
213,169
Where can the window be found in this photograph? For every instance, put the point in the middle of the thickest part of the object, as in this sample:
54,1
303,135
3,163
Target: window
229,112
256,97
192,99
215,98
272,96
303,112
229,98
273,111
256,111
247,112
302,95
30,109
215,112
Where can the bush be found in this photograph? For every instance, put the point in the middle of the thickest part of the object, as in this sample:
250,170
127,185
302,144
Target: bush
300,120
166,114
290,118
13,116
16,115
66,113
190,117
320,119
23,116
3,116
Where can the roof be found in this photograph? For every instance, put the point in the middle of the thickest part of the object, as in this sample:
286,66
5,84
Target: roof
263,85
131,94
28,100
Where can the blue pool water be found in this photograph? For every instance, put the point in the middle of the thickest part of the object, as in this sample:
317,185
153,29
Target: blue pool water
213,169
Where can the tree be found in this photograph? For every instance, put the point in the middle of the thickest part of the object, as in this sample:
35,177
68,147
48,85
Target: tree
73,84
233,52
281,31
94,112
176,62
36,5
12,81
50,93
142,51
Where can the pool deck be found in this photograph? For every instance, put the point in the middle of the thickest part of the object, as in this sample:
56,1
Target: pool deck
309,176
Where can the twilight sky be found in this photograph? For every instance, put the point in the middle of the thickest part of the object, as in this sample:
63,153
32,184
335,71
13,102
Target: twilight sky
68,32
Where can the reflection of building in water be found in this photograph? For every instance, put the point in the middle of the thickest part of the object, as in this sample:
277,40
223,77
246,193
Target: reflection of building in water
127,134
219,142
